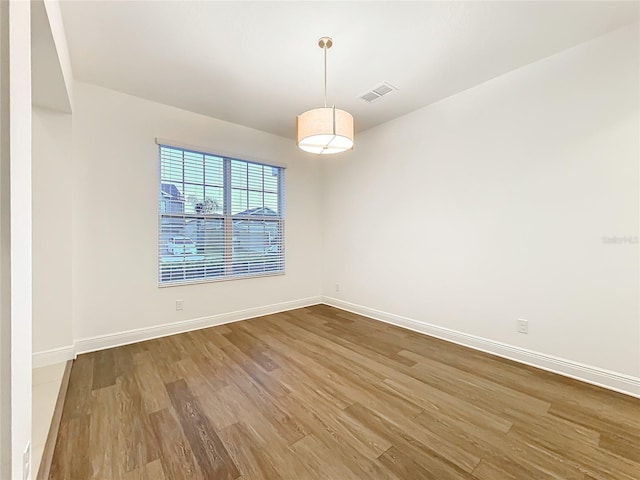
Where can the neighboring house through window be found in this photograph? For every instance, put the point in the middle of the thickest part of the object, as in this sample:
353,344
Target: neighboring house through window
219,217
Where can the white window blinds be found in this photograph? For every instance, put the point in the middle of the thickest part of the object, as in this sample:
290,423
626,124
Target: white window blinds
218,217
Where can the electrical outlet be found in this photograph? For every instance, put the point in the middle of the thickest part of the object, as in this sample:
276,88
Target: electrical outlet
337,287
523,325
26,462
179,305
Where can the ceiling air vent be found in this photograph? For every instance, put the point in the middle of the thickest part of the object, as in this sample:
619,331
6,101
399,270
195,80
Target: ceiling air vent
378,92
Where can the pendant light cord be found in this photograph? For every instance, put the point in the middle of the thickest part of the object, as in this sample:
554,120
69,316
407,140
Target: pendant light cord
325,74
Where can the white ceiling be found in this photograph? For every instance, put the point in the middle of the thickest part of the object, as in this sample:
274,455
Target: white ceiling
258,63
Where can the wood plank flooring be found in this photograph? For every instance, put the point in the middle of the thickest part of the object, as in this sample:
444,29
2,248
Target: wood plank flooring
319,393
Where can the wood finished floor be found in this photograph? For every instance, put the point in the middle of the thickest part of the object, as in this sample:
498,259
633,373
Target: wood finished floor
319,393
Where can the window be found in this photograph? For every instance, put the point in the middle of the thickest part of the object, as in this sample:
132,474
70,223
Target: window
219,217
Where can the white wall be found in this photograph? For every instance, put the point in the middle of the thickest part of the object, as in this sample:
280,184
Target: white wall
492,205
54,16
50,66
52,241
5,250
15,235
114,225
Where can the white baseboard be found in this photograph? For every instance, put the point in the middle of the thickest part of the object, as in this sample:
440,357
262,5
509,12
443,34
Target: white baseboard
53,356
597,376
101,342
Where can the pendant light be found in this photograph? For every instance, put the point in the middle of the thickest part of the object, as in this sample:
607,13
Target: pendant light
325,130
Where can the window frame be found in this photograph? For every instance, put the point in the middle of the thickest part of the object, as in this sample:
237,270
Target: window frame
226,217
